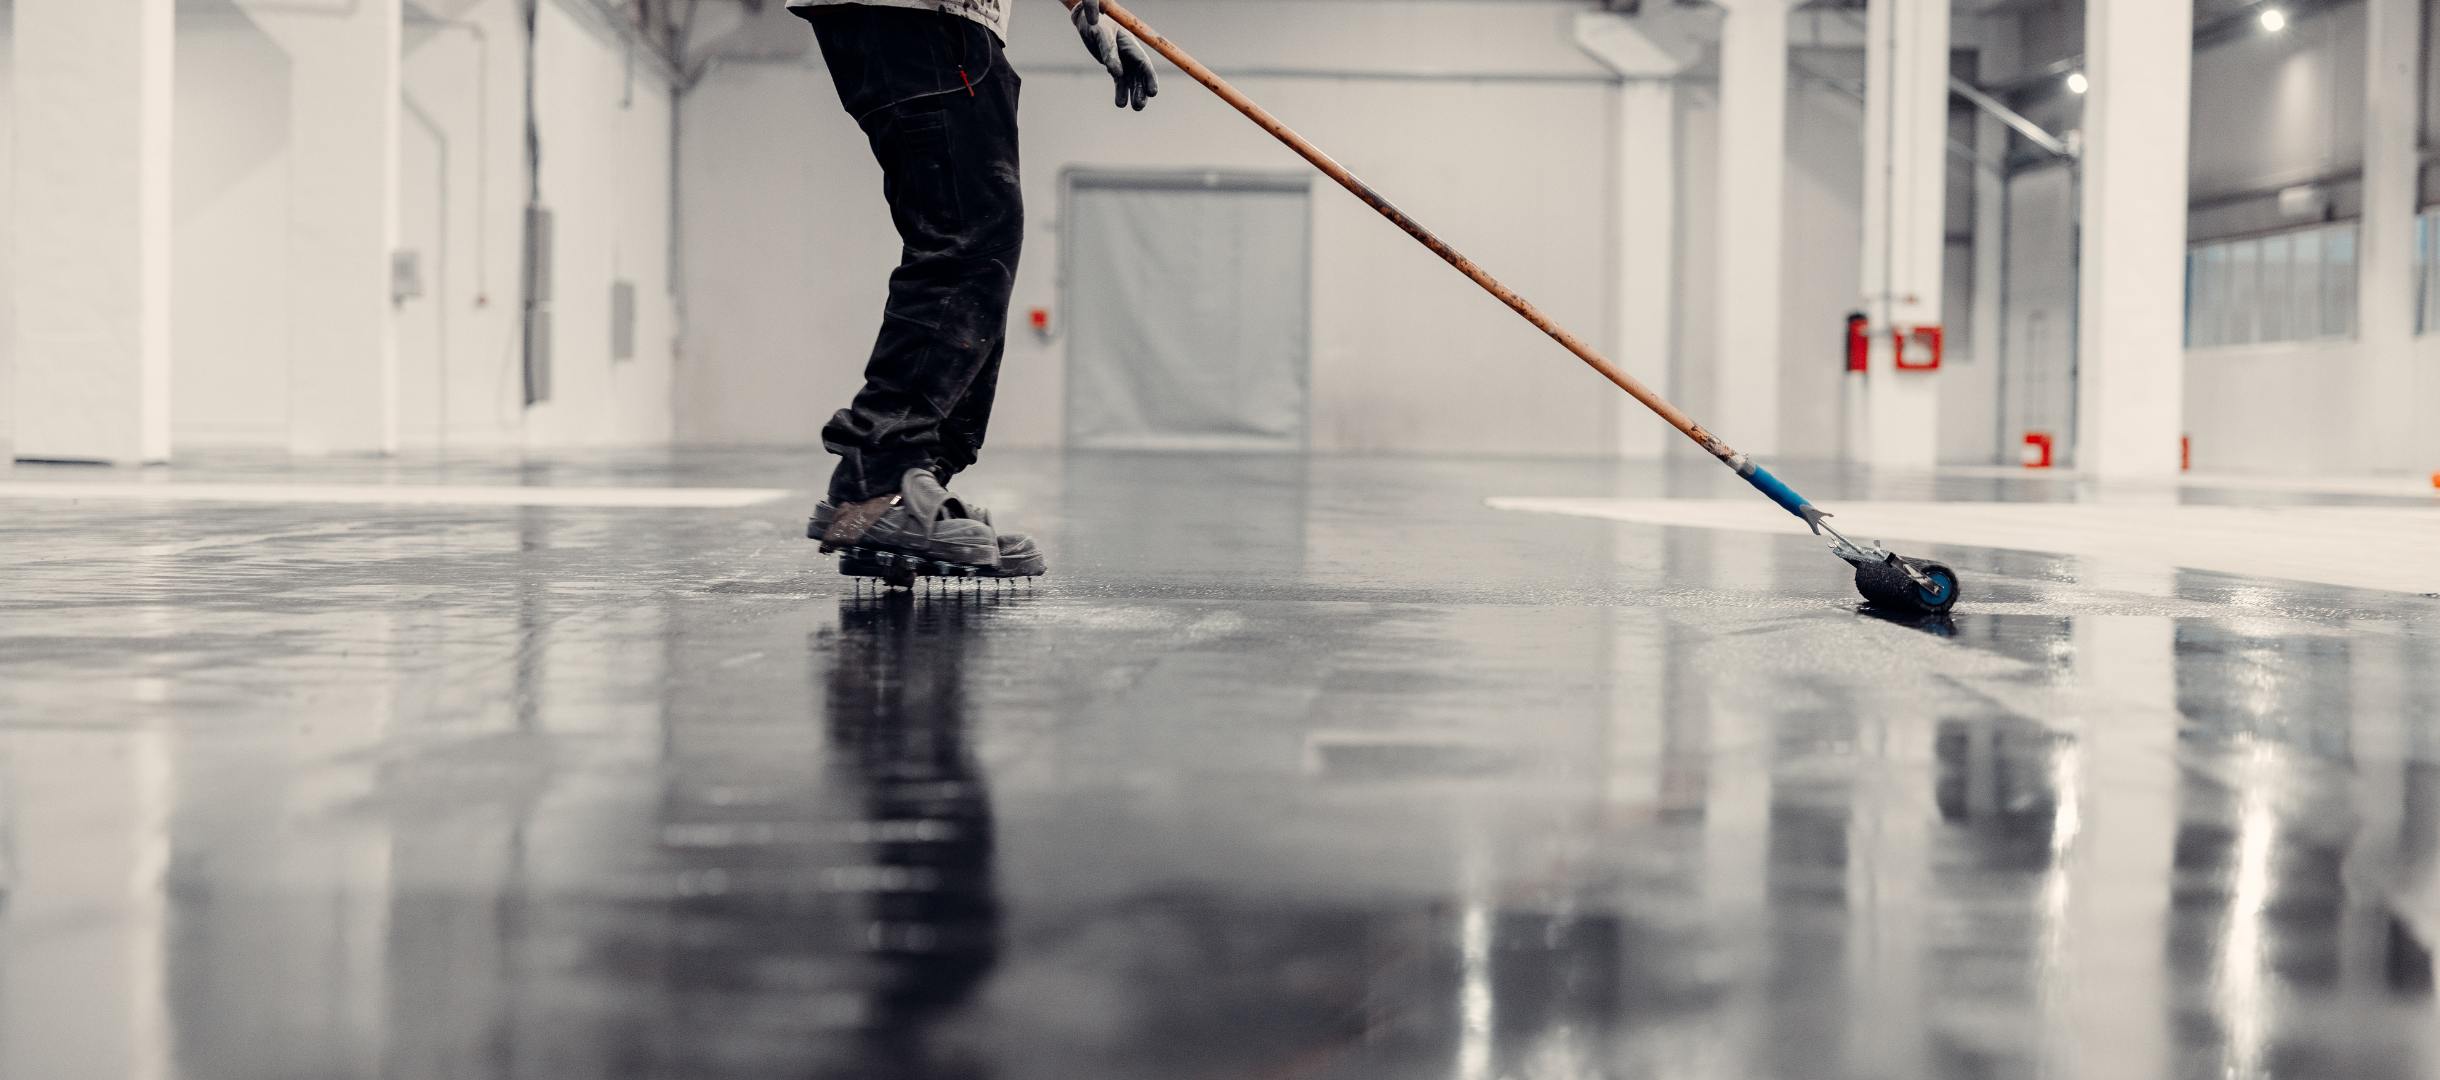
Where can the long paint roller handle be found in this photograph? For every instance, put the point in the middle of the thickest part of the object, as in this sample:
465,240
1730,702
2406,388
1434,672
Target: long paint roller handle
1760,478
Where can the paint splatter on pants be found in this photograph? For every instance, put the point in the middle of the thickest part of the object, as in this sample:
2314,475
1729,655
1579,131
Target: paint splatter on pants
938,101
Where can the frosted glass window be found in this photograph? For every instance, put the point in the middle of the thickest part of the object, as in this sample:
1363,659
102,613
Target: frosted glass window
2308,316
2244,268
2427,246
2194,298
2298,285
2206,319
2276,284
2338,281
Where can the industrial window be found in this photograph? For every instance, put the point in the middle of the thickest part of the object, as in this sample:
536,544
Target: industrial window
2291,286
2427,276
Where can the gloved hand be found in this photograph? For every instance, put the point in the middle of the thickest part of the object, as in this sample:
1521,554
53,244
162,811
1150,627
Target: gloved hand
1130,66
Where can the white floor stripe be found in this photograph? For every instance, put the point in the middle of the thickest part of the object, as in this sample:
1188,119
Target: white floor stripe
2395,486
399,494
2388,548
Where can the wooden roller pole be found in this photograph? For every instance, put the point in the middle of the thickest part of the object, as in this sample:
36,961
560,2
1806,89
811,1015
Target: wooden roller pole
1110,9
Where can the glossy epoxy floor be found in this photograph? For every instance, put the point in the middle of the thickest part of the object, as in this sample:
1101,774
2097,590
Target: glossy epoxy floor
1292,769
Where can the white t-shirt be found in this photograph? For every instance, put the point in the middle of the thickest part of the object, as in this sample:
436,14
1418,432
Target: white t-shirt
990,13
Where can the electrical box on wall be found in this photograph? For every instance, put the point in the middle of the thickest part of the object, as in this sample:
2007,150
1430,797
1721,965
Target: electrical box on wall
1917,348
537,357
406,276
622,320
539,233
2040,450
538,281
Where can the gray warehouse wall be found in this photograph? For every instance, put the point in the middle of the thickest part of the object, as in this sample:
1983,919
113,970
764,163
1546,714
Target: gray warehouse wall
1486,123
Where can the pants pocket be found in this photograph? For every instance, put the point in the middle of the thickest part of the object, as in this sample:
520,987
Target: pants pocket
919,172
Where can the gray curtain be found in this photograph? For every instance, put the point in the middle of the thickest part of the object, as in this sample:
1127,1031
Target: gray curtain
1187,314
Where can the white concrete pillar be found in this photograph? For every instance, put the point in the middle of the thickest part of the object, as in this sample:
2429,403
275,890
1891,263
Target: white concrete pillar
1906,132
1990,300
344,117
2139,58
1648,52
2387,412
1753,187
94,92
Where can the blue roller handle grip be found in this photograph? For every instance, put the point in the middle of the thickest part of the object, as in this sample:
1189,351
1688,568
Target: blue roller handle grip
1779,491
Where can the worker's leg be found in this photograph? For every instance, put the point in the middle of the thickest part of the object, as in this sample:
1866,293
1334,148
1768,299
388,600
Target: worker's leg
937,101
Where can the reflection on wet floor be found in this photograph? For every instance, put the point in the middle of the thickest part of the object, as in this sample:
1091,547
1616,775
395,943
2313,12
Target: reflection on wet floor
1293,769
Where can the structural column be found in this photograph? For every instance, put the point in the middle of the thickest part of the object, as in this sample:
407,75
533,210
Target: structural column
344,116
1753,172
1906,131
1648,52
1979,388
2130,372
94,89
2387,412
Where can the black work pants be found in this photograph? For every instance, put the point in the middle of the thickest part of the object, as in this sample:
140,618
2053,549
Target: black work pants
936,98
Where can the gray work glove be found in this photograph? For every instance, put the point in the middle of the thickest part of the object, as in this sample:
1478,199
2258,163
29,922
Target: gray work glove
1130,66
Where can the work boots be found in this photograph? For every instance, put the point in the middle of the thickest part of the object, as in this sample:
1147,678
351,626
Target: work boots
921,531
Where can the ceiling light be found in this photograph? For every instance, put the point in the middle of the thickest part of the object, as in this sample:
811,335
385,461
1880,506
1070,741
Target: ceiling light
2077,83
2274,20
